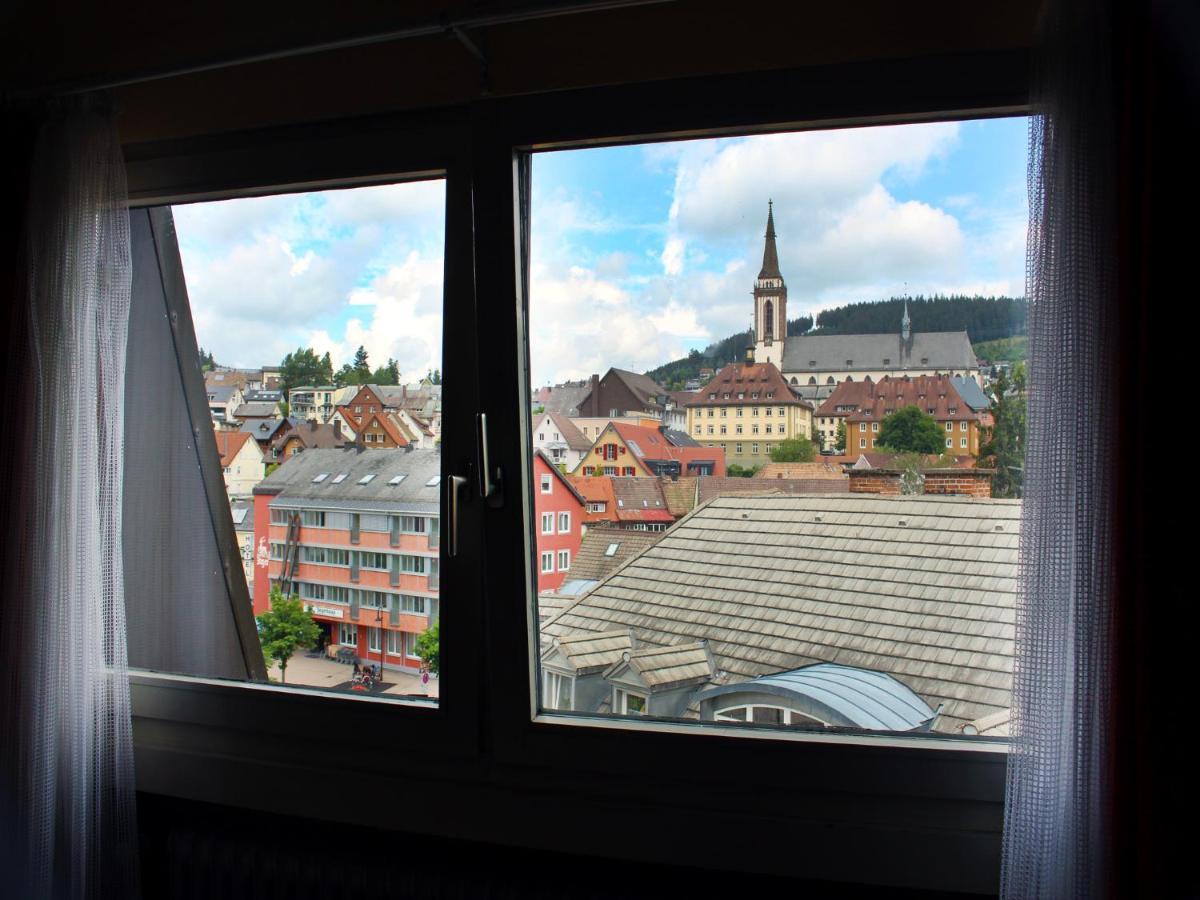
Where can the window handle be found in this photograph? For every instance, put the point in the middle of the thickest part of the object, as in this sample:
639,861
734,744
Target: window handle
489,480
454,486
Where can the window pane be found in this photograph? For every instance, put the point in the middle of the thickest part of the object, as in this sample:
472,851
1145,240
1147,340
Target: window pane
319,322
836,559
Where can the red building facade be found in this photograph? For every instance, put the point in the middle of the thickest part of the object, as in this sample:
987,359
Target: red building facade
355,535
560,511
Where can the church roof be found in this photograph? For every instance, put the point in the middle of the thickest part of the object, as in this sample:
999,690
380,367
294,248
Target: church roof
770,266
940,350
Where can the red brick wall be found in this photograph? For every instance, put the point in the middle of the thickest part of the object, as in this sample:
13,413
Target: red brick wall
968,482
874,481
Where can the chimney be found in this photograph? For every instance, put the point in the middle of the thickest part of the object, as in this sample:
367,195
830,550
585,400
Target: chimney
337,428
593,403
312,424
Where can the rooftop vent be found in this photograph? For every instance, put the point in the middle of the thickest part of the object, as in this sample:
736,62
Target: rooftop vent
904,523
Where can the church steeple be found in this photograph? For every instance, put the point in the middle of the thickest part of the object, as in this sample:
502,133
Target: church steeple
906,323
770,266
770,301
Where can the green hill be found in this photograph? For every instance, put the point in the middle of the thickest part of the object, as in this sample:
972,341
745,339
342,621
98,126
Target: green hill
985,319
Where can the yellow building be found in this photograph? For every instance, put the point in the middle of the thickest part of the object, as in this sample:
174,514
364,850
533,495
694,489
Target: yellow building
747,409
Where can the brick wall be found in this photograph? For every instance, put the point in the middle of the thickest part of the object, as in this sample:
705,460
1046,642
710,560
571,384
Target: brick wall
963,482
874,481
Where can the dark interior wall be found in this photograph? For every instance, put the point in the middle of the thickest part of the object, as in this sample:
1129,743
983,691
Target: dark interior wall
197,850
661,41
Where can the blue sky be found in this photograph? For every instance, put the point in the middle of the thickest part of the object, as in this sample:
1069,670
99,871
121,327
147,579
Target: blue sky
639,253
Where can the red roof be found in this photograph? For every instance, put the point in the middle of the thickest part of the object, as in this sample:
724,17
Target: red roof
229,444
872,400
649,443
597,489
746,384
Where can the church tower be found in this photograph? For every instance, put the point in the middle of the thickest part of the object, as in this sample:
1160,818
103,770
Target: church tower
770,302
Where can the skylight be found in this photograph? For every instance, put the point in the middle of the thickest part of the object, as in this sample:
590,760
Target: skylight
339,478
612,550
396,479
320,477
367,479
434,481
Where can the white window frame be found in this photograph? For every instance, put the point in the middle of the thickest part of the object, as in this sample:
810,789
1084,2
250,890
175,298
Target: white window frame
547,567
547,484
348,634
547,523
374,638
564,560
564,522
620,702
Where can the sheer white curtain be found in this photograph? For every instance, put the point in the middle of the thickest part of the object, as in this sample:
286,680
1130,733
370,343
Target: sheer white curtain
1058,817
67,748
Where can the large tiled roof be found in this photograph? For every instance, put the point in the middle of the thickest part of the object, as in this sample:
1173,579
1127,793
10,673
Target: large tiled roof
680,494
593,562
316,436
344,470
571,435
643,386
596,489
970,391
565,398
922,588
262,429
257,410
944,350
593,652
749,380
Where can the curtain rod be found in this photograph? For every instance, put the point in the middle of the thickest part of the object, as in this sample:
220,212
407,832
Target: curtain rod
453,25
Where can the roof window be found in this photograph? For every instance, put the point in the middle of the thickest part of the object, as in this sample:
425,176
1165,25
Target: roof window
321,476
612,550
367,479
339,478
396,479
434,481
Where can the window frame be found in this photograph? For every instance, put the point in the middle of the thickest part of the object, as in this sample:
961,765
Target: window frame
859,796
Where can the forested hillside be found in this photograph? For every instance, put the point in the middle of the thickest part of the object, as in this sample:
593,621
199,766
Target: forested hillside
983,318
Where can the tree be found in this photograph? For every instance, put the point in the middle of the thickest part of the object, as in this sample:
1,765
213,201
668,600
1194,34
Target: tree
794,450
434,376
1004,448
304,367
733,470
361,364
389,374
910,430
207,363
429,648
840,443
284,629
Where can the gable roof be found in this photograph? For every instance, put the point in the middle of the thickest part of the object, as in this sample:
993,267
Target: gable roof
680,494
942,350
388,426
593,562
645,388
970,391
566,482
316,436
257,410
660,668
922,588
597,489
564,398
570,433
651,444
230,443
589,653
873,399
640,500
263,429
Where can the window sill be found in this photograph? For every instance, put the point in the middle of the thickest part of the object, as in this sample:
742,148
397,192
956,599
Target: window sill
852,808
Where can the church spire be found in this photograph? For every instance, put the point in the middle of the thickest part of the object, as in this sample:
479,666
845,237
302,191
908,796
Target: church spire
770,266
905,323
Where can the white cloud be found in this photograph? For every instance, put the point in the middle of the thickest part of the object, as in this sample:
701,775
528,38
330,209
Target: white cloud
672,256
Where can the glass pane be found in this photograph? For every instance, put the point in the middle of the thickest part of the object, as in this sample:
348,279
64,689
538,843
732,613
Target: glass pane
318,318
778,398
